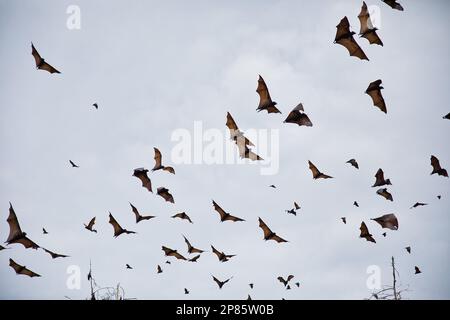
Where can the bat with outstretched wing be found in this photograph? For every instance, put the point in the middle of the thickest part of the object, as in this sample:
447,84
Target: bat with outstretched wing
41,64
191,248
55,255
380,180
158,164
344,220
268,234
221,283
298,117
365,233
221,255
90,225
73,164
437,167
316,173
118,230
285,282
22,269
385,194
182,215
408,249
367,29
141,174
15,233
172,253
344,37
354,163
417,270
265,101
139,218
388,221
165,194
393,4
224,216
374,91
418,204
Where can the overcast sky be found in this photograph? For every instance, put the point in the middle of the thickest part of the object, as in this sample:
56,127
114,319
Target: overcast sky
157,67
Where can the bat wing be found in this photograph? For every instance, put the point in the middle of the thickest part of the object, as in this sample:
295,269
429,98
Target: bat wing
190,247
14,227
166,250
169,169
374,91
55,255
388,221
164,193
141,174
435,164
372,37
365,233
22,269
216,252
277,238
364,20
282,280
345,38
394,4
91,223
233,218
47,67
221,212
37,57
299,118
315,172
117,228
136,213
296,206
379,178
265,228
157,158
219,283
177,255
231,124
264,97
290,277
26,242
245,152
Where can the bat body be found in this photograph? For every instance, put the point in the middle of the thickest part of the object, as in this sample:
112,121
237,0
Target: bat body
388,221
298,117
191,248
374,91
265,101
365,233
73,164
393,4
118,230
139,218
15,232
165,194
90,225
367,30
408,249
316,173
353,163
344,220
172,253
41,64
22,269
380,181
221,255
55,255
220,283
158,164
385,194
182,215
269,234
285,282
417,270
344,37
224,216
141,174
419,204
437,167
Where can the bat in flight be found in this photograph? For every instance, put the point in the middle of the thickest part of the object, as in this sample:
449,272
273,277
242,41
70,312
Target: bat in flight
365,233
118,230
437,167
141,174
158,164
15,233
40,62
291,211
285,282
194,259
191,248
354,163
182,215
221,255
356,204
384,234
73,164
380,180
446,117
408,249
374,91
269,234
265,101
165,194
225,216
418,204
159,269
186,291
388,221
316,173
55,255
385,194
172,253
95,105
22,269
298,116
393,4
251,285
127,266
367,29
344,37
44,231
417,270
139,218
344,220
235,133
221,283
90,225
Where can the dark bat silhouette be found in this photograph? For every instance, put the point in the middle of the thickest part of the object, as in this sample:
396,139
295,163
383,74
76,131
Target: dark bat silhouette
191,248
182,215
353,163
356,204
158,269
40,62
141,174
365,233
291,211
384,234
90,225
128,266
367,30
251,285
139,218
44,231
55,255
73,164
285,282
298,117
288,287
118,230
194,259
235,133
408,249
344,220
15,233
316,173
437,167
447,116
224,216
393,4
165,194
249,298
265,101
221,283
172,253
297,284
388,221
221,255
272,186
380,181
22,269
296,206
418,204
186,291
344,37
168,262
268,234
374,91
439,197
417,270
158,165
385,194
95,105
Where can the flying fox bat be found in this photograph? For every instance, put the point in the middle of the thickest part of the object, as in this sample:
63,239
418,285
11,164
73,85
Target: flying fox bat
186,291
235,133
90,225
345,38
388,221
447,116
356,204
194,259
418,204
365,233
22,269
95,105
118,230
291,211
251,285
384,234
172,253
265,101
40,62
139,218
298,116
128,266
182,215
408,249
385,194
191,248
224,216
222,256
367,30
437,167
353,163
73,164
158,269
55,255
296,206
417,270
393,4
272,186
297,284
165,194
344,220
268,234
379,179
141,174
374,91
285,282
44,231
158,165
316,173
221,283
15,233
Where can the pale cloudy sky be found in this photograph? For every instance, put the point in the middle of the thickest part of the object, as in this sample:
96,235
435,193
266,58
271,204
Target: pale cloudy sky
156,67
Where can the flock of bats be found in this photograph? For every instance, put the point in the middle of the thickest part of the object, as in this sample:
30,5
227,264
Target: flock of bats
297,116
